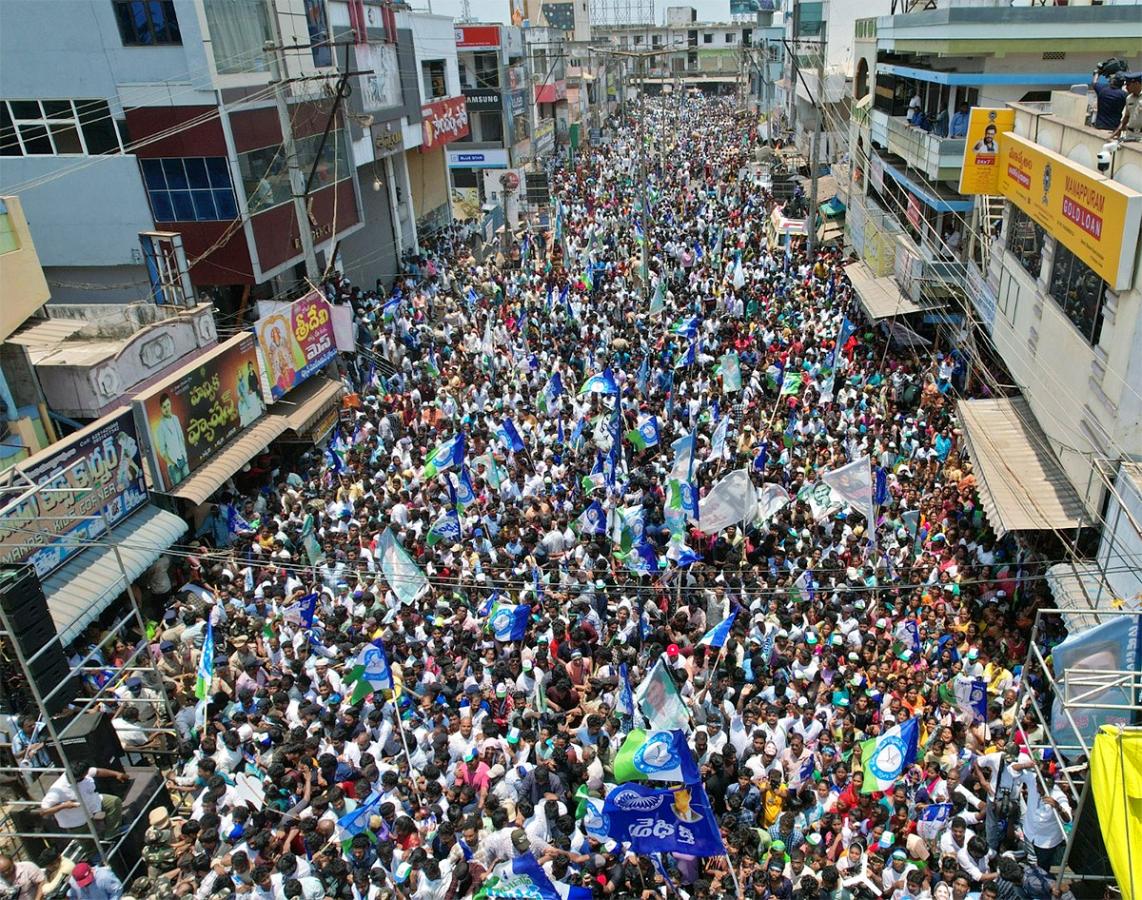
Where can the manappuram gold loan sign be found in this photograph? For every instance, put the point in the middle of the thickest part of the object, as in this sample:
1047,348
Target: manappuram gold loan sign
1095,218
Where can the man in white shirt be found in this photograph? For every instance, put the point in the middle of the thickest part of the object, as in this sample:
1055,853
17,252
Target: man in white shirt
1048,809
70,815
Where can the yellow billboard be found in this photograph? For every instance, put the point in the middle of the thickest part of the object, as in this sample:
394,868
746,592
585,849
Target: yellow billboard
980,174
1093,217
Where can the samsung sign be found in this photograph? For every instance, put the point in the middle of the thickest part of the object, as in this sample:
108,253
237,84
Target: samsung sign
479,98
477,159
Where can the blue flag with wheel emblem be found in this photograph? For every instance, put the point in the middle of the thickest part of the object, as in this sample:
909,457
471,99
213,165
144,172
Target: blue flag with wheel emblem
656,756
886,757
593,520
670,820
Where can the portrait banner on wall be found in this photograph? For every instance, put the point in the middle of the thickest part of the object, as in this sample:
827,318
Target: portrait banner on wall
295,343
194,413
980,172
99,468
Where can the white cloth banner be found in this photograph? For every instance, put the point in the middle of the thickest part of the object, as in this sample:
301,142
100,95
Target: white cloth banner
771,499
851,484
730,501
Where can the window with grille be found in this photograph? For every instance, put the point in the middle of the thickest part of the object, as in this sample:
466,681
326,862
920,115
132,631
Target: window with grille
146,23
1079,292
57,128
189,189
1025,241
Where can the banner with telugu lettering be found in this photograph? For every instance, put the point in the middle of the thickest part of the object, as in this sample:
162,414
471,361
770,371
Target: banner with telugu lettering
296,342
194,413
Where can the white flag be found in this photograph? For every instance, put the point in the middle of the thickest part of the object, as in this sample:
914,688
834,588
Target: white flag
771,499
730,501
852,485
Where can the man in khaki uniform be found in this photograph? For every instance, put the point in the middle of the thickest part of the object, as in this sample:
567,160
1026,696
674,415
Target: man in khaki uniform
1130,128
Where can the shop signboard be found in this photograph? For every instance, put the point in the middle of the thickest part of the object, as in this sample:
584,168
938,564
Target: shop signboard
1095,218
194,413
482,99
443,121
380,78
475,37
544,137
295,343
477,159
980,172
99,468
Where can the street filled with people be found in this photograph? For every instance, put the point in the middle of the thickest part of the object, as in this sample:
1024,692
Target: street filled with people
640,564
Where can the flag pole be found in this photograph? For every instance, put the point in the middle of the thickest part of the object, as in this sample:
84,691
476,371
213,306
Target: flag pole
734,875
404,745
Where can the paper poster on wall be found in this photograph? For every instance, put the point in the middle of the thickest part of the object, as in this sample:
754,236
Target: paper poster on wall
980,171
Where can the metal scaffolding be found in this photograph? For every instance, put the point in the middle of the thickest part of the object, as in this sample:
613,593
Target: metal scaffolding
60,732
1080,691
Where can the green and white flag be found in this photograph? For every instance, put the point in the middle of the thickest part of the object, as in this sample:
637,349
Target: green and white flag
404,577
370,672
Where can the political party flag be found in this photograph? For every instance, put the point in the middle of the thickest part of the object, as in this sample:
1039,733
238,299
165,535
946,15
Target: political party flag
933,820
971,697
205,676
445,456
674,511
731,501
390,309
656,756
880,491
404,577
445,528
687,328
792,383
718,444
716,636
907,635
235,522
593,520
771,499
687,557
524,877
357,821
597,478
307,607
666,820
625,703
851,484
731,371
659,702
643,560
646,435
508,621
462,493
658,301
887,756
603,383
554,388
689,357
492,473
846,331
683,449
509,436
370,672
643,377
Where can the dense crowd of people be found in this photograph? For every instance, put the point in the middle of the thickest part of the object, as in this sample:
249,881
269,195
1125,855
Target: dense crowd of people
481,744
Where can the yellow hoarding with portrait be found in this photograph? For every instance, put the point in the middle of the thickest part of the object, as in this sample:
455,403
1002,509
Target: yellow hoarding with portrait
980,171
1095,218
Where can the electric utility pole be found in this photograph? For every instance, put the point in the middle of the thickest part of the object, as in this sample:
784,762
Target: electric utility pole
275,56
794,68
814,161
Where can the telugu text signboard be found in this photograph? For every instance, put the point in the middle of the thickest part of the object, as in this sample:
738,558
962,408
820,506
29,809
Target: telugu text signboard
1093,217
296,342
98,468
443,121
980,172
194,413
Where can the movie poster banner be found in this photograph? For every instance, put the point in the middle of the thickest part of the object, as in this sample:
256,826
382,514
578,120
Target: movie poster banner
296,342
195,412
98,468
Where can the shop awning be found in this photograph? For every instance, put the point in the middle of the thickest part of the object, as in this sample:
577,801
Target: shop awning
880,296
84,586
1079,588
302,407
203,482
1021,484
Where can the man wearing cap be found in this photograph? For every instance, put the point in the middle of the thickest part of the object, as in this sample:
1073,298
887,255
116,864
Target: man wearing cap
89,882
1130,127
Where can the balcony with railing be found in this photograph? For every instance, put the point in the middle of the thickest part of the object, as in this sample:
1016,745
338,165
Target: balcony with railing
939,158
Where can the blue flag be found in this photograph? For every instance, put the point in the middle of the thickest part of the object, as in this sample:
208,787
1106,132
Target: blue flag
358,820
643,373
577,433
308,608
644,559
625,704
509,436
524,877
687,557
593,520
463,494
666,820
933,820
603,383
880,491
508,621
716,636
